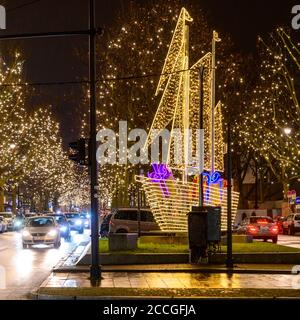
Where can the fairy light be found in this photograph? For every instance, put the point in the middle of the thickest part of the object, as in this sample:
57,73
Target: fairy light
31,151
171,212
144,45
174,108
270,126
171,199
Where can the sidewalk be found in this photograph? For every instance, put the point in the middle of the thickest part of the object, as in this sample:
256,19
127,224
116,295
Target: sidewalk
168,284
204,268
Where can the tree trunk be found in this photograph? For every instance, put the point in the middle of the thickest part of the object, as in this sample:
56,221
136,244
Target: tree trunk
2,209
124,192
14,200
285,183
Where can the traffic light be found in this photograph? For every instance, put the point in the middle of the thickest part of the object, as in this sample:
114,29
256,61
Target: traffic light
77,151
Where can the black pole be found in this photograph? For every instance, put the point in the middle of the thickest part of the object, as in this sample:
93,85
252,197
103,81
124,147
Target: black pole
95,271
139,212
201,125
256,186
229,261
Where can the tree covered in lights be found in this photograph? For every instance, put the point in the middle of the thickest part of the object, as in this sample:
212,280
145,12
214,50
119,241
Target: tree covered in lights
271,125
31,152
15,135
130,63
53,177
75,188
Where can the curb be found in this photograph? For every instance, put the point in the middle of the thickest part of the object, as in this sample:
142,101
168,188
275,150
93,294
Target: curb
181,270
64,259
212,294
134,298
182,258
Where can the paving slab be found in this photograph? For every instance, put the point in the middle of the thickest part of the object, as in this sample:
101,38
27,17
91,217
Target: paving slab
135,284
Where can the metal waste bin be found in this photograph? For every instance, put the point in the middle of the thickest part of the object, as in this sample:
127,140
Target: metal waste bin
213,224
197,232
204,228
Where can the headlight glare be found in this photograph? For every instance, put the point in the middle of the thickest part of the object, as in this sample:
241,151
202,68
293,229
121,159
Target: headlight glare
78,222
25,233
52,233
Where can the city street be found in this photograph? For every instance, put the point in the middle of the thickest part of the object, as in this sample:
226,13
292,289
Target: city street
289,241
25,269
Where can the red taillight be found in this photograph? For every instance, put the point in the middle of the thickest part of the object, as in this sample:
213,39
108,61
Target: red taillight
274,229
263,222
252,229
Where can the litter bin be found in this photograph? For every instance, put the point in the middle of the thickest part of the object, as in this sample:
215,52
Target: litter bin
213,224
197,232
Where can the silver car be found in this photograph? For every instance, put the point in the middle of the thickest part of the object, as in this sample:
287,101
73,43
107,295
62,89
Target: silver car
41,230
124,220
3,225
9,219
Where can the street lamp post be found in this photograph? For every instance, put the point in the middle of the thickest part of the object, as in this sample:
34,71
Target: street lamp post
201,147
95,271
139,211
229,261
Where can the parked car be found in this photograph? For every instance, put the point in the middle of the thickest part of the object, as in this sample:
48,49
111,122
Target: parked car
259,228
86,218
65,230
279,221
291,224
41,230
9,219
104,227
76,222
125,220
3,225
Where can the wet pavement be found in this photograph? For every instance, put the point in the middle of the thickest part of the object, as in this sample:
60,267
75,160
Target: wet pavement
26,270
152,280
23,270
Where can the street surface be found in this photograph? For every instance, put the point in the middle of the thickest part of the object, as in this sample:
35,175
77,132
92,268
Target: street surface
289,241
25,269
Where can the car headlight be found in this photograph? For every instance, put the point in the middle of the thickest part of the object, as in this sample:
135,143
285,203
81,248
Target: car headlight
17,223
52,233
78,222
63,229
25,233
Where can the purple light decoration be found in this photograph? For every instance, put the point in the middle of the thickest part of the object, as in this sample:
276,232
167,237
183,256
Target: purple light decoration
159,175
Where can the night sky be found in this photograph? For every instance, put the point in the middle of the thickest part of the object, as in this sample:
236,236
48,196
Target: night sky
50,60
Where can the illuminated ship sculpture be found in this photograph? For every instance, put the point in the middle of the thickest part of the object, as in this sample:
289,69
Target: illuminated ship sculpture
171,198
